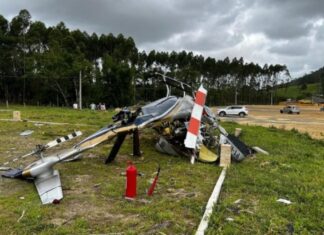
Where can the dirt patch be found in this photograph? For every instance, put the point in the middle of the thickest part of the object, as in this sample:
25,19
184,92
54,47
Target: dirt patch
181,193
156,228
310,120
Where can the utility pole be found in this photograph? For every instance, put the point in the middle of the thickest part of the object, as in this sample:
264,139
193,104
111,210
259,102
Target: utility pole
24,88
134,90
235,96
80,90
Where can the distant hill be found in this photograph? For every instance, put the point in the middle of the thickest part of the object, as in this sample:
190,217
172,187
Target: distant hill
297,92
311,78
302,88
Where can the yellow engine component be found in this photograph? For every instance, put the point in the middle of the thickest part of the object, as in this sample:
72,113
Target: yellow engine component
166,131
205,155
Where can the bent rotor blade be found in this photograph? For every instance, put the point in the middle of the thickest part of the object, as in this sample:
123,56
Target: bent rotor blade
194,123
18,158
62,139
46,146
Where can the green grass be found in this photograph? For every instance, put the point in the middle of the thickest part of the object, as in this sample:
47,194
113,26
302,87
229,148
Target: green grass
294,170
93,192
63,115
295,92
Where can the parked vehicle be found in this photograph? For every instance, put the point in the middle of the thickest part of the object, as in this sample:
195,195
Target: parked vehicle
291,109
322,109
233,110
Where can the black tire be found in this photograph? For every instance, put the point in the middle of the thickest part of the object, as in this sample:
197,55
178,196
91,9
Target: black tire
241,114
281,111
298,112
222,114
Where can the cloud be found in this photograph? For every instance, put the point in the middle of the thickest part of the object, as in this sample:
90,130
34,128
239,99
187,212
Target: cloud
296,47
320,30
290,32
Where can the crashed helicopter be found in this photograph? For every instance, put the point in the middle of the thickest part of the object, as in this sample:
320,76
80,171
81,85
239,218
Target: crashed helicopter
185,126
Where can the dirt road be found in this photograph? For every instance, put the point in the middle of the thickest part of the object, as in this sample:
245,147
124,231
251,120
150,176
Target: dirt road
310,119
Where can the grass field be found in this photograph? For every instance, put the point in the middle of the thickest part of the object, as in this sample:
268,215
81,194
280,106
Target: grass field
294,171
93,201
295,91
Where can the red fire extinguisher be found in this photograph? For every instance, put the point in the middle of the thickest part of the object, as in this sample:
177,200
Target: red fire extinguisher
131,174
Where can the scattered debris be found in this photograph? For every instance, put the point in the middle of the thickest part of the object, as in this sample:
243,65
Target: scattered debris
91,155
247,211
22,215
181,193
192,194
238,201
26,133
229,219
234,209
285,201
158,227
143,201
5,168
22,198
260,150
262,164
97,185
58,221
38,124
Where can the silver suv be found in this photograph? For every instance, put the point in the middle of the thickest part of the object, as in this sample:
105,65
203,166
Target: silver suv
233,110
291,109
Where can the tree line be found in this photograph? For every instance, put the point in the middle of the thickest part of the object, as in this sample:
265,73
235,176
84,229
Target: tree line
42,65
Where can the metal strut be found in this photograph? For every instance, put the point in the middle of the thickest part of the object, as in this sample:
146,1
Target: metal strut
118,143
136,143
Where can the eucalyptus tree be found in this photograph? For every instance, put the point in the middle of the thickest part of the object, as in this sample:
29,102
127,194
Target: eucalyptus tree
113,70
4,58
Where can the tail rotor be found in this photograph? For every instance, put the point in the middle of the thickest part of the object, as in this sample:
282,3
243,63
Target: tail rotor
195,121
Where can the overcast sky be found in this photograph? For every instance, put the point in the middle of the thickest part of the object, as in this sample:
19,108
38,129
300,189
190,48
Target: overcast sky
288,32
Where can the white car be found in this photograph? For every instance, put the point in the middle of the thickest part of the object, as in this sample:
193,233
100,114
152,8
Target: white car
233,110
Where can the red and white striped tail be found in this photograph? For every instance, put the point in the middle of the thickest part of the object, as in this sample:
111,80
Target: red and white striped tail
194,123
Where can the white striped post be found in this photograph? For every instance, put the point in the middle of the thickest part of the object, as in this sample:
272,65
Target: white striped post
194,123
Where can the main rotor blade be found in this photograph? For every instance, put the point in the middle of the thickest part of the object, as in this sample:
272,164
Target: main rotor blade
62,139
47,146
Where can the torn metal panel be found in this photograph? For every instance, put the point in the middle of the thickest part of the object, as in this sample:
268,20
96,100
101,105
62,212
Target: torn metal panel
239,149
49,188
